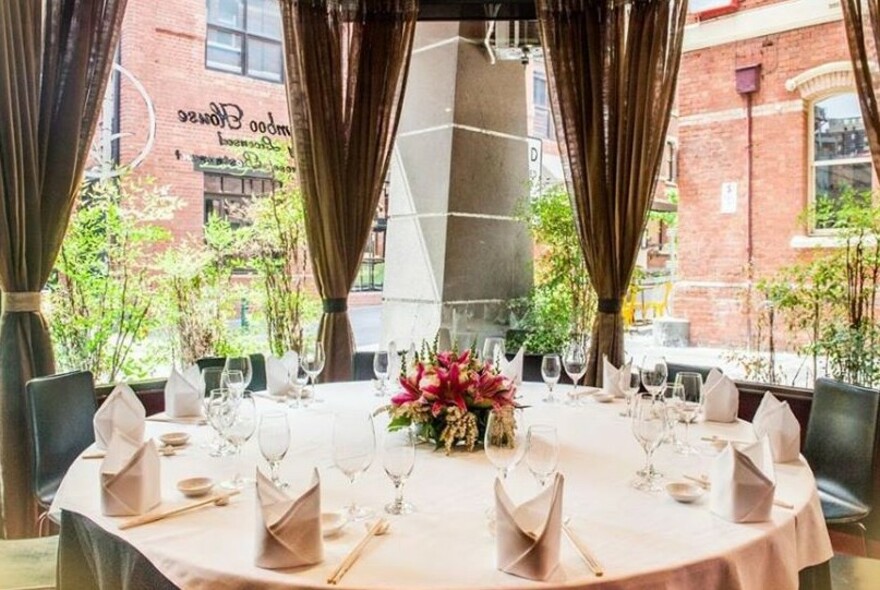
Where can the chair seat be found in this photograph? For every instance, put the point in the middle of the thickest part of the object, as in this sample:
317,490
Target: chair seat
838,509
854,573
28,563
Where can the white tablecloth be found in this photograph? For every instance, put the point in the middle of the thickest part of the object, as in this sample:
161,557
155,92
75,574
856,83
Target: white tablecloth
643,540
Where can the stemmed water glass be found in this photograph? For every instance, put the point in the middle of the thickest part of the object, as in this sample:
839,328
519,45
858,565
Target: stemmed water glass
629,384
218,409
690,403
312,362
398,458
493,351
380,369
233,380
654,373
242,424
542,452
575,363
301,380
354,445
274,439
243,364
551,371
649,426
505,439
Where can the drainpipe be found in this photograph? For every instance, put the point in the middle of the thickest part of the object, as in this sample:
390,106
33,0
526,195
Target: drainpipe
748,81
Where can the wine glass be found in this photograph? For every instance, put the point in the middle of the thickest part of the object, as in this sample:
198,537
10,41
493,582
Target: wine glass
243,364
649,425
312,362
233,380
212,378
398,458
671,395
689,406
242,424
542,452
274,439
218,407
654,373
505,439
354,445
575,363
493,351
551,371
380,369
301,380
630,381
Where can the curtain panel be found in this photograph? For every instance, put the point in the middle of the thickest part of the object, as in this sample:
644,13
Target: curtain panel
55,58
612,66
347,64
863,37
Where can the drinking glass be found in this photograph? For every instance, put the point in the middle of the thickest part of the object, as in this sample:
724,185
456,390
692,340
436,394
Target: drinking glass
212,377
671,396
242,424
398,458
551,371
493,351
233,380
312,362
629,384
542,452
354,445
301,381
649,425
505,439
274,439
575,363
654,373
243,364
380,369
690,404
218,409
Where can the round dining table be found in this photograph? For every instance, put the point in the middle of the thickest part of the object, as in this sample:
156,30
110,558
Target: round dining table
642,539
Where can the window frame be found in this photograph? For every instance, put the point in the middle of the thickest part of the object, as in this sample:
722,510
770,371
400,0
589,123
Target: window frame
541,112
225,199
245,43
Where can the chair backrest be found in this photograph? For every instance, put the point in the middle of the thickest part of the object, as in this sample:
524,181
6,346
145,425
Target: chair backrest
841,437
362,366
673,369
258,369
61,409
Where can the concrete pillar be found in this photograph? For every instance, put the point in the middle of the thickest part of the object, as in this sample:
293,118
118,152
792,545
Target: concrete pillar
455,252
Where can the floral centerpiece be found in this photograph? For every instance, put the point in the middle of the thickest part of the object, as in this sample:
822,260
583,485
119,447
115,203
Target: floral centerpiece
447,397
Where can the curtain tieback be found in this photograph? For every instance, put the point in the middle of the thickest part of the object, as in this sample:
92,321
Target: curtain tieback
336,305
21,302
609,305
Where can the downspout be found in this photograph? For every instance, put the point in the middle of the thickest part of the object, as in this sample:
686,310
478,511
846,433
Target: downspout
748,81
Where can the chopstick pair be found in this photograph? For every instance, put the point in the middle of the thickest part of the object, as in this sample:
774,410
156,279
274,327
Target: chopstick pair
706,485
218,499
587,556
719,439
355,553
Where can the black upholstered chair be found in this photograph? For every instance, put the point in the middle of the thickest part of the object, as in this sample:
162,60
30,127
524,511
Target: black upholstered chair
258,368
61,409
362,366
840,446
673,369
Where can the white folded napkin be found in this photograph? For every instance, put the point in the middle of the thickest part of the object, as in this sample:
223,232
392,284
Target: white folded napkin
528,536
121,411
513,369
721,398
288,529
743,483
184,393
611,377
279,372
130,480
775,420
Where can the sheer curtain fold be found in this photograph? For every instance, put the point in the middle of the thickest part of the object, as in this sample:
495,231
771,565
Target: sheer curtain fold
58,57
347,64
612,67
863,37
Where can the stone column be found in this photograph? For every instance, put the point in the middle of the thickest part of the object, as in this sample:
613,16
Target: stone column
458,177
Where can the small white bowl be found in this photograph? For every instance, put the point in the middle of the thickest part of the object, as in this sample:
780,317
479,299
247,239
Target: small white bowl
603,397
175,439
685,492
194,487
332,523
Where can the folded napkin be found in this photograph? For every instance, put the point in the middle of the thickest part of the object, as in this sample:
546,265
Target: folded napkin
611,377
743,483
121,411
721,398
184,393
775,420
129,477
528,536
279,372
513,369
288,529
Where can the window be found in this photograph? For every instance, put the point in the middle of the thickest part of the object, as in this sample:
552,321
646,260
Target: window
670,162
244,37
543,122
227,195
841,158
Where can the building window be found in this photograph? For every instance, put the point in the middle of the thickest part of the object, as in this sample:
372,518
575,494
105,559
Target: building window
841,158
227,195
543,121
244,37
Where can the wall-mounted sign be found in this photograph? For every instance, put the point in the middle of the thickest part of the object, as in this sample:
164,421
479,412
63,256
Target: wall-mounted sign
728,197
536,155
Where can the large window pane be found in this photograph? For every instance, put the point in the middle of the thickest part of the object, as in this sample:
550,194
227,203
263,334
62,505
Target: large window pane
539,91
832,181
224,50
264,59
264,18
839,130
227,13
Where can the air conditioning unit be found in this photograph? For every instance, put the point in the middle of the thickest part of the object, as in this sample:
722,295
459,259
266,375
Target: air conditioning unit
514,40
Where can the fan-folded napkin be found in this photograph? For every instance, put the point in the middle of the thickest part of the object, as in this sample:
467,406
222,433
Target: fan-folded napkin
611,377
129,477
288,529
280,371
184,393
775,420
121,411
721,398
513,369
743,483
528,536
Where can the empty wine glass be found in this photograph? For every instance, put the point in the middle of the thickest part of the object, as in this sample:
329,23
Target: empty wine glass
300,381
493,351
233,380
649,425
312,362
551,371
505,439
242,424
354,445
274,439
575,363
398,458
690,404
542,452
654,373
212,378
243,364
380,369
629,384
218,407
671,395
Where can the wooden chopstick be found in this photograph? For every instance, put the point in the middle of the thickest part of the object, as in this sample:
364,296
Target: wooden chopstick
705,484
588,557
154,516
94,455
349,560
725,440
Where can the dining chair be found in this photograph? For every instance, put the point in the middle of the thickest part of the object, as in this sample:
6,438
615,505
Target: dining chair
258,369
28,564
840,446
362,366
673,369
60,410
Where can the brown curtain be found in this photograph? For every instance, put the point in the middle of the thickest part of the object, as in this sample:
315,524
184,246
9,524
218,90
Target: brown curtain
612,67
347,64
861,31
55,57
